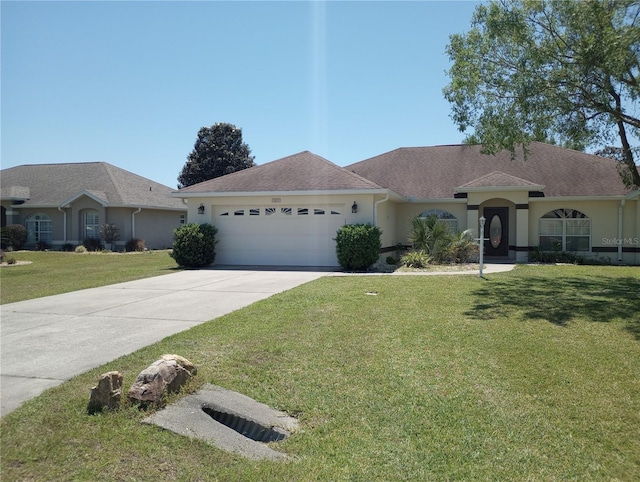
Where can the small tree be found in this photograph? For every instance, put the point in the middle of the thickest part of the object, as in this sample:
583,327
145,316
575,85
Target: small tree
194,245
358,246
109,233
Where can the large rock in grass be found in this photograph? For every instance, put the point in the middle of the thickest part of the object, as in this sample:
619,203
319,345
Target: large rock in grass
107,393
166,375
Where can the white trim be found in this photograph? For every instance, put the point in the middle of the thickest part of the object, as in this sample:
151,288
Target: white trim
533,187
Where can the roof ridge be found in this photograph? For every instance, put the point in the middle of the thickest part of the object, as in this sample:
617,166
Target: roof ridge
107,167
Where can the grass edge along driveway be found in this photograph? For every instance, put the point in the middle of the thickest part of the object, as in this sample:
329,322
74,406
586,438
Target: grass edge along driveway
531,374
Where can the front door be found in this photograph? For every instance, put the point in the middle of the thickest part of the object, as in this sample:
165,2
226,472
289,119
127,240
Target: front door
496,232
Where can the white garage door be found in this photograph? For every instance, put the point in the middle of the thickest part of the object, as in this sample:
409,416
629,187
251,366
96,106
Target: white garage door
278,236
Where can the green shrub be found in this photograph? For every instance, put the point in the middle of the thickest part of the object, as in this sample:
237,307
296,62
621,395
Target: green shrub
194,245
462,248
93,244
391,260
11,260
358,246
538,256
135,244
13,236
68,247
416,259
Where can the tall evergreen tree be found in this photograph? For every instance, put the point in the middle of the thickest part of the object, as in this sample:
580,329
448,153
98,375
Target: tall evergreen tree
218,150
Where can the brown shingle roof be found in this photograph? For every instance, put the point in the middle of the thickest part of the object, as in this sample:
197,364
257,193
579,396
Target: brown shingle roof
435,172
304,171
52,184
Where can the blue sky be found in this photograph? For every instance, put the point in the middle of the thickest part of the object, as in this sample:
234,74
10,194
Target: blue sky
131,83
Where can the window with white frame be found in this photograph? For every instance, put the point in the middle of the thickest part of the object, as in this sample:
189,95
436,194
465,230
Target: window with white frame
565,230
91,224
39,229
443,216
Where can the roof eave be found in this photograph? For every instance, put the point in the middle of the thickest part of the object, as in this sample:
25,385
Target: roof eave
532,187
415,200
186,195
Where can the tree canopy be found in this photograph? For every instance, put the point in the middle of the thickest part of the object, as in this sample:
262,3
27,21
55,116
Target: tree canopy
557,71
218,150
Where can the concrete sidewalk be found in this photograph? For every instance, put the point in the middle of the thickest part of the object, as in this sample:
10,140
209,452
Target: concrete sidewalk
48,340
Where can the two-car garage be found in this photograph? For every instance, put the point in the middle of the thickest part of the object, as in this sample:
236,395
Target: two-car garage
278,234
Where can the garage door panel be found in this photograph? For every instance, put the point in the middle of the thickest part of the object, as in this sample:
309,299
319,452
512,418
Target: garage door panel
278,239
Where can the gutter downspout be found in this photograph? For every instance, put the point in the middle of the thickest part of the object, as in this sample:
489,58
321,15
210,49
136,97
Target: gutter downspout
619,243
133,223
375,209
64,223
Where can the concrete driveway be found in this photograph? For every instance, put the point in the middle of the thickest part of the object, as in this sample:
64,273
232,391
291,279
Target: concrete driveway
49,340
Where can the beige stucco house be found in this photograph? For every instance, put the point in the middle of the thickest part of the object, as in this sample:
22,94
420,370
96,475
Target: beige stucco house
66,203
287,212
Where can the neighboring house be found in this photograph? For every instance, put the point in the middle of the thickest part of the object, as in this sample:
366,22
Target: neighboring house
287,212
66,203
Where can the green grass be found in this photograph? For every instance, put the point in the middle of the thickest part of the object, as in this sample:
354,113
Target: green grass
52,273
526,375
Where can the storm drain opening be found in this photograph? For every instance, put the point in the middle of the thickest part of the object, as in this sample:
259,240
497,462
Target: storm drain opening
245,427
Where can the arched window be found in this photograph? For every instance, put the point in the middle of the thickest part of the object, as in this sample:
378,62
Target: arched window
91,224
444,216
39,228
565,230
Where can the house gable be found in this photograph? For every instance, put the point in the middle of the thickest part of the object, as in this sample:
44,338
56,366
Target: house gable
302,172
498,181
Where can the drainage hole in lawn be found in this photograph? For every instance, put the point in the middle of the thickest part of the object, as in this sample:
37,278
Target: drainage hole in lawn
248,428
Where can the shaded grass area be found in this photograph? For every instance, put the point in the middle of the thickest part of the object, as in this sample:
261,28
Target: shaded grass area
564,297
434,378
54,272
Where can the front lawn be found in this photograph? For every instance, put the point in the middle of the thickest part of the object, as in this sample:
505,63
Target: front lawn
526,375
55,272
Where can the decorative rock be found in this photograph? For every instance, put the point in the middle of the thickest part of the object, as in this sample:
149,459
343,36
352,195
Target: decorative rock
107,393
183,362
168,374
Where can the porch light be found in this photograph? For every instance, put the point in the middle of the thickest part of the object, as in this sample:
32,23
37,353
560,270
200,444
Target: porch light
201,209
354,207
482,221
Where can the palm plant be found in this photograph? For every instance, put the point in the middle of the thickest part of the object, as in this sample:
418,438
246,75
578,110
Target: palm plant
462,248
429,235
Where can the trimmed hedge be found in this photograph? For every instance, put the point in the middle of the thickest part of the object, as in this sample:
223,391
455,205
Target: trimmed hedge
358,246
194,245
